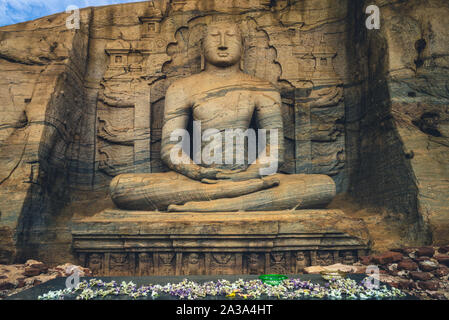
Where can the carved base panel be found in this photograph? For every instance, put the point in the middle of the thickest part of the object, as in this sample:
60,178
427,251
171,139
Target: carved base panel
117,242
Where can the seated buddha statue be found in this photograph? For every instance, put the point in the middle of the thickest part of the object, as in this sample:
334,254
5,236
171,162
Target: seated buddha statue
218,100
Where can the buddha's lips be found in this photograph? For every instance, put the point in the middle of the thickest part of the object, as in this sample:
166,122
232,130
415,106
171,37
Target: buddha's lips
223,55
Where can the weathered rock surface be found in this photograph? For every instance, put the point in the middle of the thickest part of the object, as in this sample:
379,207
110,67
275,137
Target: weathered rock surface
415,281
421,276
405,117
425,251
408,265
443,249
18,277
82,106
334,267
442,271
34,268
443,259
386,257
429,285
428,265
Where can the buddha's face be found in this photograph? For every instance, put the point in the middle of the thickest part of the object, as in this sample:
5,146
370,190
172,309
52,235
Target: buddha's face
223,44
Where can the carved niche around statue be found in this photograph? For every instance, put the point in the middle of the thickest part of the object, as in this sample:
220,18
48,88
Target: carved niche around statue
225,238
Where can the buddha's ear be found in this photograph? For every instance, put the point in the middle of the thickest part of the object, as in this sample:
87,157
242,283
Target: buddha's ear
203,63
203,67
242,55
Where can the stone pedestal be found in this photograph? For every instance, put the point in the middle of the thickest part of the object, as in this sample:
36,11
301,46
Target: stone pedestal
118,242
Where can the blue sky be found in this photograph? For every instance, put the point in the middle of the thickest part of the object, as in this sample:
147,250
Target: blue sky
15,11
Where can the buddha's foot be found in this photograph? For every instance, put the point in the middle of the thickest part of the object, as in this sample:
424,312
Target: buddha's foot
205,206
269,182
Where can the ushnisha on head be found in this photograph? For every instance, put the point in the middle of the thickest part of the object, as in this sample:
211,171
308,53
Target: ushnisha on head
222,44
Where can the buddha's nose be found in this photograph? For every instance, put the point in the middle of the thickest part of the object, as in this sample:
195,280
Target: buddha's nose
222,46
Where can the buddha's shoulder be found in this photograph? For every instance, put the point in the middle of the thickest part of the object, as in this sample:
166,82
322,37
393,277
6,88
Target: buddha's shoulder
257,82
188,83
200,80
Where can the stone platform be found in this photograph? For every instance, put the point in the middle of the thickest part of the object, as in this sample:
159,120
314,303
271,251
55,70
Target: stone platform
121,243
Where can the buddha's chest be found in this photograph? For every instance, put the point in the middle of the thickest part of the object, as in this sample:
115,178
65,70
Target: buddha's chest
222,107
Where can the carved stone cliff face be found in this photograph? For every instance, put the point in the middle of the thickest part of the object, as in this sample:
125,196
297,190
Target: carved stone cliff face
367,107
403,119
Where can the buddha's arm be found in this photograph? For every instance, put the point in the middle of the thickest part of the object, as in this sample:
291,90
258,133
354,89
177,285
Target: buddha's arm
269,117
176,116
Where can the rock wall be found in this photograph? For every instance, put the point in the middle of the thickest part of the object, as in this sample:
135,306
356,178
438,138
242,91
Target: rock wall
367,107
42,65
403,117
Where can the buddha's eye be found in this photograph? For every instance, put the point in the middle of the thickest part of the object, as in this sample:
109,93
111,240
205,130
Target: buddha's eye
215,34
230,34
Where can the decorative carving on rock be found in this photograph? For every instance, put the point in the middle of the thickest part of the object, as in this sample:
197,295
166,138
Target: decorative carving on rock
107,132
117,96
200,263
245,250
348,257
124,136
308,66
324,258
193,263
115,159
120,264
300,260
151,24
224,263
324,73
255,263
166,263
279,262
145,264
96,263
118,52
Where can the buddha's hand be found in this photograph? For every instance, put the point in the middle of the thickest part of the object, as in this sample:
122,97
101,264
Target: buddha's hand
207,174
239,175
213,175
